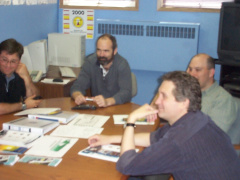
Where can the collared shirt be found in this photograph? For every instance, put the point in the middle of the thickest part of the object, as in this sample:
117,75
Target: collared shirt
117,83
192,148
220,106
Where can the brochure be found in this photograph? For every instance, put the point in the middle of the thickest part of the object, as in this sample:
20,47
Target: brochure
9,160
105,152
121,119
50,161
9,149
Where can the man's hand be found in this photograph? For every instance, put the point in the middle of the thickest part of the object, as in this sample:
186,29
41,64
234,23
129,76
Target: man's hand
23,72
31,103
78,98
145,111
98,140
102,102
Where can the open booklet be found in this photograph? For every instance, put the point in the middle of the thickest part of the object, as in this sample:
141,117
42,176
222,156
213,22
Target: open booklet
122,118
106,152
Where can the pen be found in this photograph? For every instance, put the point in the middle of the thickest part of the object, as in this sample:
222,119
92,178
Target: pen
89,99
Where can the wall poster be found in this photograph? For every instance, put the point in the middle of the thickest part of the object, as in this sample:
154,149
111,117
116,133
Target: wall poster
79,21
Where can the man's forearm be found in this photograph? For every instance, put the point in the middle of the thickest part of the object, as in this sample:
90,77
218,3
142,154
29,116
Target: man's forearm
6,108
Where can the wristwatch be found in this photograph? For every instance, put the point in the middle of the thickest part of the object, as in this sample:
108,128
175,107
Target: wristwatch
129,124
24,106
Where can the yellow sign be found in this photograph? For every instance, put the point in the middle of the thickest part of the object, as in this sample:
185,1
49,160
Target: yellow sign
77,22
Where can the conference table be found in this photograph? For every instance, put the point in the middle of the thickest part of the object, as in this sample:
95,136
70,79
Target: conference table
74,166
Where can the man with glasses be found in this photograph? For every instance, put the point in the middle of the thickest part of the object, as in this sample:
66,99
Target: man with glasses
16,87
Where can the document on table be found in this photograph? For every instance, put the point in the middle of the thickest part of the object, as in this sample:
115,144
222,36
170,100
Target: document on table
51,146
121,119
50,81
76,131
38,111
89,120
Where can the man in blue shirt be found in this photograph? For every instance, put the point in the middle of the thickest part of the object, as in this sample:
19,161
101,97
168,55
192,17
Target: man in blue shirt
190,146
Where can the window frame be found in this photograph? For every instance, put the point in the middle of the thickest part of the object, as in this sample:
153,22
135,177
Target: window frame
184,9
112,7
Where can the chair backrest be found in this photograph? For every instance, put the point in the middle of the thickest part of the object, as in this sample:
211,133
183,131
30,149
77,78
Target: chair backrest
134,85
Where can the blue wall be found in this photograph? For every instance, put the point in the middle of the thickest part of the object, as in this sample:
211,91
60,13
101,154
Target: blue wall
30,23
148,80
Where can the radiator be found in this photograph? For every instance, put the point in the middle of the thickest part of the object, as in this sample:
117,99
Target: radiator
156,46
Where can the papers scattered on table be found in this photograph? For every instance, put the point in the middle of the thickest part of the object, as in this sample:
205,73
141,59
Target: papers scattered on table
51,146
120,119
83,126
38,111
9,160
89,120
50,161
76,131
50,81
105,152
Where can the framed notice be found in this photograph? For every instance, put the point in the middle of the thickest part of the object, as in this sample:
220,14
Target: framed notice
79,21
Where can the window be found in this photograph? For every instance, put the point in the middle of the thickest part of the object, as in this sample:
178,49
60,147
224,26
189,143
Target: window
191,5
100,4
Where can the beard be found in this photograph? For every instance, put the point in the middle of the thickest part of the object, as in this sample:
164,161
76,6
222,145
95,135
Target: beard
104,61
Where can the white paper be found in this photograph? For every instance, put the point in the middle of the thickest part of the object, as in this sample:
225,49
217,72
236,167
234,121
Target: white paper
51,146
50,81
119,119
89,120
37,111
76,131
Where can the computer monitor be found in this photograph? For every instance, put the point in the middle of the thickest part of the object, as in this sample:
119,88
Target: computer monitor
229,33
66,49
35,56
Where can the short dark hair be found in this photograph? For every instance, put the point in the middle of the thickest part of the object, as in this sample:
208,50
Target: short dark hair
12,46
186,87
109,36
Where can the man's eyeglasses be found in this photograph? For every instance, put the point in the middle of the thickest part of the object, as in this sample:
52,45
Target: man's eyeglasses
5,61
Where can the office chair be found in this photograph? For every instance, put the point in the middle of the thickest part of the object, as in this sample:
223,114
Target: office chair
134,84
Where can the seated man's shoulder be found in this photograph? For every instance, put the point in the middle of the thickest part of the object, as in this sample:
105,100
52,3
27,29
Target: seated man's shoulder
221,92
